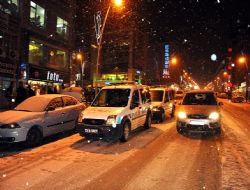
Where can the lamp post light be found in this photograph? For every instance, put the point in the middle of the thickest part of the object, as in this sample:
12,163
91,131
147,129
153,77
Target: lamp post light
243,60
80,58
116,3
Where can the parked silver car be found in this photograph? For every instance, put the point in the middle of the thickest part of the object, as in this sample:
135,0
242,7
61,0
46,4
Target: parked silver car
199,112
38,117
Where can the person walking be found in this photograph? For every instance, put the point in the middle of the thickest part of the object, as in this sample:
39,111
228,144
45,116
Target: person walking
21,93
9,94
31,92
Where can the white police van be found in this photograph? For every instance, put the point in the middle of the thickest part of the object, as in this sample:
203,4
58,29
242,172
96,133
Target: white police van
162,102
115,112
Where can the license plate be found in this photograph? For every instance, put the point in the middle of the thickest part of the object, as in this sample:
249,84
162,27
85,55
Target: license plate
95,131
196,122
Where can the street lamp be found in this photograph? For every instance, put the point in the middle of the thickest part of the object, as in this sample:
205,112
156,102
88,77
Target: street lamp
80,58
116,3
243,60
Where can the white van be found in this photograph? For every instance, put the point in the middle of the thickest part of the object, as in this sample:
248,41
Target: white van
115,112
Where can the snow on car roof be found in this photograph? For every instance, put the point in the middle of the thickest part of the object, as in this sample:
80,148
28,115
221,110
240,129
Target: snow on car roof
37,103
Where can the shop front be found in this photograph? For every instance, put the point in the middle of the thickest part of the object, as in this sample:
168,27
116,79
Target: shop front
7,75
47,81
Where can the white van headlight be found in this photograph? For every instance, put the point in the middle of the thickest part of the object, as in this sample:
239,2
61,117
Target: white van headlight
182,115
111,120
214,116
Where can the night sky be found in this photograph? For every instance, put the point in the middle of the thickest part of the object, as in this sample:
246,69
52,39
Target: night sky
195,29
198,28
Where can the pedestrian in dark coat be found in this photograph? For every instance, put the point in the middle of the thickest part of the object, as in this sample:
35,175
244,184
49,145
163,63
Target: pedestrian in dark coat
21,93
30,91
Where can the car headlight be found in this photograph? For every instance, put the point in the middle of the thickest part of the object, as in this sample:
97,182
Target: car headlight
111,120
155,108
80,117
11,126
182,115
214,116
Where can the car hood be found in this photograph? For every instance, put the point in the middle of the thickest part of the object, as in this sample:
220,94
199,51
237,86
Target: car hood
198,109
102,112
17,116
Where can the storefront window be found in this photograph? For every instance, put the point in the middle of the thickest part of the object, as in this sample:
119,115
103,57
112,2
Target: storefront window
35,52
57,59
9,6
37,14
62,27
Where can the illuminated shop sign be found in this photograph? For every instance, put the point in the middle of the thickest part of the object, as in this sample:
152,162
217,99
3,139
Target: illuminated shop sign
52,76
166,60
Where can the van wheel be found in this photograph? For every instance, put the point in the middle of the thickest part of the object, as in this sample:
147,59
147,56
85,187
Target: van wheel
148,122
162,116
126,132
34,137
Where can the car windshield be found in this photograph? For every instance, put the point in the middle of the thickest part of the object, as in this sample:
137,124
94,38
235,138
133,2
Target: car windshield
156,95
33,104
199,99
112,98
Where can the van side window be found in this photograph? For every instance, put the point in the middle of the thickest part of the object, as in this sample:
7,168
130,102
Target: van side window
135,97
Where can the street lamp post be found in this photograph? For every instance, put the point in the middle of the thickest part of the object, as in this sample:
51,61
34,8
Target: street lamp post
117,3
79,57
243,60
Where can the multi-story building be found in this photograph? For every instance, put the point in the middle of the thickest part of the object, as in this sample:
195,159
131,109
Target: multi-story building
36,43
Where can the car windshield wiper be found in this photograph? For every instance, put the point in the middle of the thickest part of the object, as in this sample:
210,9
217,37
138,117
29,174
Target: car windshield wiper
22,110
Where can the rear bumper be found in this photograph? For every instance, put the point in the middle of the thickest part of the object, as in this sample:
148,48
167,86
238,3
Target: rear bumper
99,131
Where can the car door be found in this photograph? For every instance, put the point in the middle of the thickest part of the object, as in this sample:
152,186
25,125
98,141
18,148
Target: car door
53,118
144,105
134,109
71,110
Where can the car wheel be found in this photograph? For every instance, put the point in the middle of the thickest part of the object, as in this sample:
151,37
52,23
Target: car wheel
34,137
162,116
126,132
148,122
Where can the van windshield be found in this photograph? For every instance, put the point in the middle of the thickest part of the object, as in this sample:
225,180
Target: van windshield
156,95
112,98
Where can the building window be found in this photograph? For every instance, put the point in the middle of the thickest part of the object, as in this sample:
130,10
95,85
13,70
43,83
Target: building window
35,52
57,59
62,27
37,14
9,7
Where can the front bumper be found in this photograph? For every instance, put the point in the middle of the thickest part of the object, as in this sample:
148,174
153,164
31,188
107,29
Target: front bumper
197,125
13,135
99,131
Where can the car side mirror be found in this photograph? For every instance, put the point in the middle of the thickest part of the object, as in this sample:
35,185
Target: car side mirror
166,100
134,105
220,103
50,108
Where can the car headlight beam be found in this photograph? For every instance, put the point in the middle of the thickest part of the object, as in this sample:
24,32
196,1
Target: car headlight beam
214,116
182,115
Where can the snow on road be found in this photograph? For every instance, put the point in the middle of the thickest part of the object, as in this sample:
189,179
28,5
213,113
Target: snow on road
158,158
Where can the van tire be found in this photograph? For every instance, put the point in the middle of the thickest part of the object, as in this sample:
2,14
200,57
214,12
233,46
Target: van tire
126,129
148,122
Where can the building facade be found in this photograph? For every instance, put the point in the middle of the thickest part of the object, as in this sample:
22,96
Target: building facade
36,43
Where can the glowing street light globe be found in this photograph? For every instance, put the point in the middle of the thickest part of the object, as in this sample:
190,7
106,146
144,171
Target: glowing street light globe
214,57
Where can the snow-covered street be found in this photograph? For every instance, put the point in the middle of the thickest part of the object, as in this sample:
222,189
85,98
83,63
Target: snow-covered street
158,158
